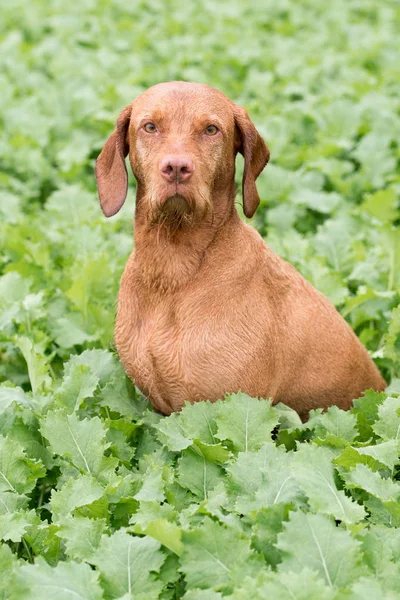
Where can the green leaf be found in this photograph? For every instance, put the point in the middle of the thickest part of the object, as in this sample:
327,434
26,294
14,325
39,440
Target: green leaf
198,421
390,239
394,387
202,595
81,491
81,535
101,362
366,411
330,283
153,484
215,556
382,205
383,513
198,474
172,433
119,487
314,542
9,394
320,201
77,385
381,545
386,453
212,452
194,422
83,442
69,330
374,457
268,522
217,504
246,421
262,479
170,575
18,473
29,437
66,581
387,426
14,525
288,418
391,347
119,435
10,502
42,538
337,422
167,533
93,270
304,585
313,470
362,477
368,588
149,511
37,363
126,565
8,562
119,395
13,287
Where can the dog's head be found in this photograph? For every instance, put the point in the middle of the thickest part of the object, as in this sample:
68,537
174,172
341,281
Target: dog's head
182,140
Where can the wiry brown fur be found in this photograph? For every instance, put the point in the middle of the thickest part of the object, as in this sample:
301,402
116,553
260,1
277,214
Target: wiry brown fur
205,307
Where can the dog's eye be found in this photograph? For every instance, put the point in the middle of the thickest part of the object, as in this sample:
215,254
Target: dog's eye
150,127
211,130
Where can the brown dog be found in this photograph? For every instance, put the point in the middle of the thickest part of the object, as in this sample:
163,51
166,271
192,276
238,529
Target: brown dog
205,307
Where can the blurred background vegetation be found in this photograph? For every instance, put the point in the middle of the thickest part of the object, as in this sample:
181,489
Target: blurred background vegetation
321,82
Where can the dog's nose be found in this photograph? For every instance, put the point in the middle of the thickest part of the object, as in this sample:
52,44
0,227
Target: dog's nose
176,168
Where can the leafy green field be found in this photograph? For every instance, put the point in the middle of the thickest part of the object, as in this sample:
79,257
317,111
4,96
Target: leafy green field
99,496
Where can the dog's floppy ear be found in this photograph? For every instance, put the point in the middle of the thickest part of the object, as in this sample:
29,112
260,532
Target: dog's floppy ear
111,173
256,156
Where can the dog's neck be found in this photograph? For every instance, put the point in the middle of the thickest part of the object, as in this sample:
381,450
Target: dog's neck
168,261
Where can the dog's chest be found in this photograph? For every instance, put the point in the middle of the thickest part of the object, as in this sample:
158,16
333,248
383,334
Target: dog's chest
147,339
163,345
181,351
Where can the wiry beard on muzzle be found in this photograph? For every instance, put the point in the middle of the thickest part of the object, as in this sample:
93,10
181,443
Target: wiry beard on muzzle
179,213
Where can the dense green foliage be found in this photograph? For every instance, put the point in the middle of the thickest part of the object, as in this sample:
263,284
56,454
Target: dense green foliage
238,499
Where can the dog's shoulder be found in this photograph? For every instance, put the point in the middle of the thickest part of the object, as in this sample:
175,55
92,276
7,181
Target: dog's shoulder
279,276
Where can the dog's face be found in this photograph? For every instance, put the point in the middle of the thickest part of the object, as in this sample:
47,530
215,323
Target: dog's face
182,139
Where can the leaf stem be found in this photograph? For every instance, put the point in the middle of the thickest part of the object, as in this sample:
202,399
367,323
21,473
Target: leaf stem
30,557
